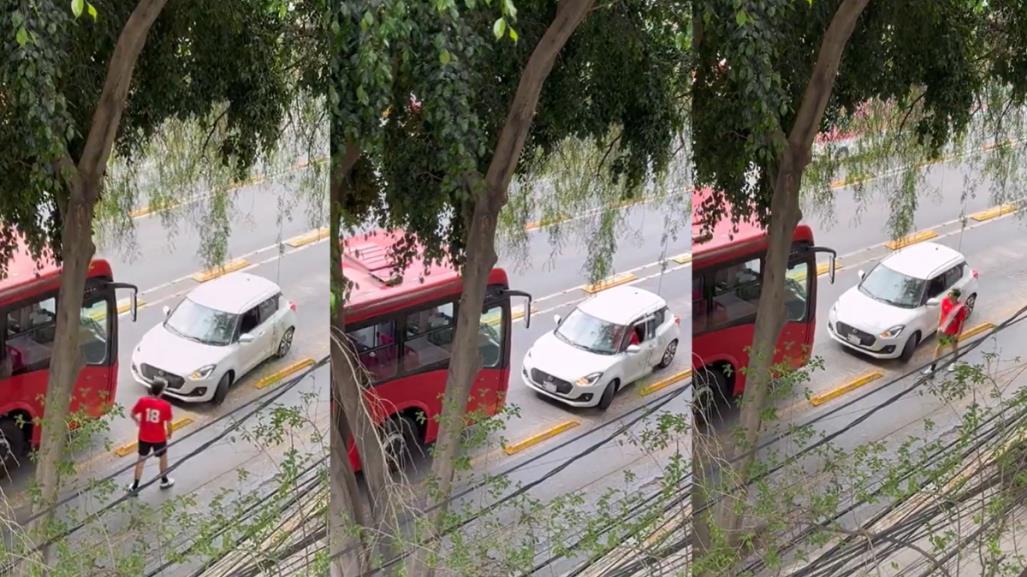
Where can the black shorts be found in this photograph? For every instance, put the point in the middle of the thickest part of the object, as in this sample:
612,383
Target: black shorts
157,448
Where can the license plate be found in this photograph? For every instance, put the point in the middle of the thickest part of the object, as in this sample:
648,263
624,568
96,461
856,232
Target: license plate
549,387
853,339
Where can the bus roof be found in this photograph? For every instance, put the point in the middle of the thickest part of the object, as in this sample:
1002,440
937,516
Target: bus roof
728,239
379,289
25,274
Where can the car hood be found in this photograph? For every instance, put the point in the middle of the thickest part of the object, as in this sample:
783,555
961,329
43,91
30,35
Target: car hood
170,352
859,310
552,355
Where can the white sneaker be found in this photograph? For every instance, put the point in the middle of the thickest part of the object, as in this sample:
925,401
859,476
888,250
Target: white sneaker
131,490
928,372
167,484
952,367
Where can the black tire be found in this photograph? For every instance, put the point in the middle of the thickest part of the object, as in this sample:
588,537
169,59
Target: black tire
668,355
971,302
12,443
222,391
400,440
709,390
910,347
285,343
607,399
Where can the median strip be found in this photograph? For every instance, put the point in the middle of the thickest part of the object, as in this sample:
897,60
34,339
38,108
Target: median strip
994,212
609,283
539,437
664,383
683,258
307,238
970,333
131,447
278,375
911,239
820,399
213,273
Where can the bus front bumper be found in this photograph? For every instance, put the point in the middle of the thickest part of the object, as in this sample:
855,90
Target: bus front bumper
881,349
577,397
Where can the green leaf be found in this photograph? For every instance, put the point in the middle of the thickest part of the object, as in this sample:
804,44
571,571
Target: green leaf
513,34
509,9
741,17
92,11
445,57
22,36
499,28
76,7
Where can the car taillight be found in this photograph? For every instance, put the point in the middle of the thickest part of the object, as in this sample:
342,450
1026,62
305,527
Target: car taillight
677,320
974,273
292,306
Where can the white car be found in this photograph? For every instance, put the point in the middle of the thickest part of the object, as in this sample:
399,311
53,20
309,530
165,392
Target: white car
219,332
897,304
591,354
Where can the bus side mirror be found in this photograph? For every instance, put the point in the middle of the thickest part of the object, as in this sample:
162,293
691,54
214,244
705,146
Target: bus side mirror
527,307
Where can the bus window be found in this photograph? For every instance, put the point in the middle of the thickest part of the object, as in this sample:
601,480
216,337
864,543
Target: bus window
376,349
736,293
797,284
93,332
490,340
30,333
429,337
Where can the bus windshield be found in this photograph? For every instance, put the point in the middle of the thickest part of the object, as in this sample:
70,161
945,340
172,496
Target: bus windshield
587,332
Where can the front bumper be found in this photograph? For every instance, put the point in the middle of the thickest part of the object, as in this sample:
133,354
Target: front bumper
881,348
577,396
188,390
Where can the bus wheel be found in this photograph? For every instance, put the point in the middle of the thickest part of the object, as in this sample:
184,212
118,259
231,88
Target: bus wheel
285,344
399,440
222,391
12,443
668,355
910,347
709,387
607,399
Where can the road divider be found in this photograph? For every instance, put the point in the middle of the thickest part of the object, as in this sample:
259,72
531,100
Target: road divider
994,212
973,332
215,272
664,383
911,239
268,380
821,398
514,448
130,448
610,282
307,238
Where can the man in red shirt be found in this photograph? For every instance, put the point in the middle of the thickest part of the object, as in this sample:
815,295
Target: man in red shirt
153,415
950,325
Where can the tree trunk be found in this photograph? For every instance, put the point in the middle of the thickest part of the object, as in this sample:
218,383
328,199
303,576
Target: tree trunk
793,157
85,182
481,257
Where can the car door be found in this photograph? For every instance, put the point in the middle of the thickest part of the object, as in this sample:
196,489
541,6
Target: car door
636,364
271,313
253,352
935,291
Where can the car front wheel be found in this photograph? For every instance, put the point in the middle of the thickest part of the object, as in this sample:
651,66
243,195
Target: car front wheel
222,391
607,399
910,347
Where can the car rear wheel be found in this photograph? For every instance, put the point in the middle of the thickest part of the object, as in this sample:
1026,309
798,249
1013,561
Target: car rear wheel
222,391
607,399
971,301
668,355
910,347
285,344
12,443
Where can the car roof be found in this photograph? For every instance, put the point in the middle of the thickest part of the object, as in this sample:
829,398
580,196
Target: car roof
923,260
622,305
234,293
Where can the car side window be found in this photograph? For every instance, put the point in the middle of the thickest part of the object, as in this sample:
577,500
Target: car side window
650,326
250,320
935,287
953,275
268,308
635,335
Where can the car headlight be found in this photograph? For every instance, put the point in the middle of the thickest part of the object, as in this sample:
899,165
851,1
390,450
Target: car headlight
893,332
202,373
589,379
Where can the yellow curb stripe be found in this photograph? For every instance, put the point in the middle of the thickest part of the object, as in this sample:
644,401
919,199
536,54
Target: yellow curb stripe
517,313
911,239
131,447
609,283
125,305
213,273
824,267
539,437
548,221
663,384
276,376
684,258
820,399
993,212
970,333
307,238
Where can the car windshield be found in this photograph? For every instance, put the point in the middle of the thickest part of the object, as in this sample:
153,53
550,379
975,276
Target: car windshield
892,287
201,324
587,332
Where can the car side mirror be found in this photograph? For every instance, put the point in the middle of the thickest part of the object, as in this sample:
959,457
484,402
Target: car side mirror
557,319
245,338
632,349
167,310
861,274
933,302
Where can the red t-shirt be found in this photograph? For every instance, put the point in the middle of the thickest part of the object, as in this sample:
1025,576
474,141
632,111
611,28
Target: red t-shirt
954,310
153,413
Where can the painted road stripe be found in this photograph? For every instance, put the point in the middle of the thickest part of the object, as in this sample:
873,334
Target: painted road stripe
213,273
824,267
278,375
539,437
664,383
307,238
517,313
969,333
994,212
911,239
131,447
684,258
820,399
547,221
611,282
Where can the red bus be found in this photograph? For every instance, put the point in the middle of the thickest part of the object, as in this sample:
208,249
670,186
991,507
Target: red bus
28,323
401,326
726,284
